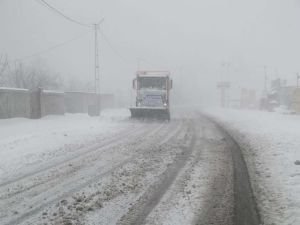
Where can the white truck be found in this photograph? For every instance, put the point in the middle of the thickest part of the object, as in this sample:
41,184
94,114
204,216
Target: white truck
152,95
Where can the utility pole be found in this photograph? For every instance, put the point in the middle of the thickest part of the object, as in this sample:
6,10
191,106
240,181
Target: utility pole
97,70
96,108
224,86
266,79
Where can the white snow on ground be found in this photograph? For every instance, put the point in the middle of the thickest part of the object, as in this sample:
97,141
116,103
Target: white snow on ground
25,142
271,146
88,169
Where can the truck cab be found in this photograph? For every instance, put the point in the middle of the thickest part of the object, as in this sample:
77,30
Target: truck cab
152,94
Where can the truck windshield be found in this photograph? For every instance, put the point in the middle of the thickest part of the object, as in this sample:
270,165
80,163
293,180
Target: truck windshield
152,83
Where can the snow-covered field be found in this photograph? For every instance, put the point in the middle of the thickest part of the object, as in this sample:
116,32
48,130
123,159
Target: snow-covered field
271,146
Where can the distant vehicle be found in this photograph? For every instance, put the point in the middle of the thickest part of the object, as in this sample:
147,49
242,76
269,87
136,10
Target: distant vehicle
152,95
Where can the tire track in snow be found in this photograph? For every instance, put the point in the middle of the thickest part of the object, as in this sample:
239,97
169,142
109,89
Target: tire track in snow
143,207
76,188
39,177
88,150
58,172
245,208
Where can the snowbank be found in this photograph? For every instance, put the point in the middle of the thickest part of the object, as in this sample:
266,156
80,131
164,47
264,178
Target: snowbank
271,146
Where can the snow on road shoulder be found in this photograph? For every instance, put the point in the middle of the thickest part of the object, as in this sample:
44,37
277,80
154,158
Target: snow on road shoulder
25,142
270,144
115,114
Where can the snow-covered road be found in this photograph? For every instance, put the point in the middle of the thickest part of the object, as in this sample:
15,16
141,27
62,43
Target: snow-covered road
113,170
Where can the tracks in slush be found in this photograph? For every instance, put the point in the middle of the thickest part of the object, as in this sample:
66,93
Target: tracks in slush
58,188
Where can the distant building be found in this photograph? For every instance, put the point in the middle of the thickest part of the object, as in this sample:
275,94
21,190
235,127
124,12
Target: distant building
285,96
278,95
295,100
248,99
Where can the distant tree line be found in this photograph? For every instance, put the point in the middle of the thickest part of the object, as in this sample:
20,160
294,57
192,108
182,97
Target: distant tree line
16,74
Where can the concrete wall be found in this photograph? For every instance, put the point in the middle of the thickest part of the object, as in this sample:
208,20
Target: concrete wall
35,104
52,103
14,103
78,102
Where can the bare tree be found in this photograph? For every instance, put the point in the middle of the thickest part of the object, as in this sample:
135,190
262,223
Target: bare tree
3,68
32,77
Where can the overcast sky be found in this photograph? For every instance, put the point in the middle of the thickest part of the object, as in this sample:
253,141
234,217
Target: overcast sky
192,38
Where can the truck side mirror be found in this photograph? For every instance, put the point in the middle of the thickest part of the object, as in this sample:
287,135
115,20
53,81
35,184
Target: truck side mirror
171,84
133,84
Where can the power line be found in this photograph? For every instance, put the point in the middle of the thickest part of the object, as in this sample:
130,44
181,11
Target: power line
51,48
55,10
112,47
123,59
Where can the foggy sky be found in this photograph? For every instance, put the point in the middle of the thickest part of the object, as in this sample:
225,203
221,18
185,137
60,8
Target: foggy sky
193,38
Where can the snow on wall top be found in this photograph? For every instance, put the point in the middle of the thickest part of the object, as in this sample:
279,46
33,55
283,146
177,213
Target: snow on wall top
5,89
53,92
